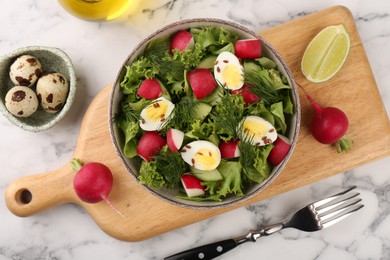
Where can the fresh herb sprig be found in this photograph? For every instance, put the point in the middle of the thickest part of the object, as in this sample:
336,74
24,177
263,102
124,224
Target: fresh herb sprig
266,93
184,113
248,156
171,166
126,114
156,52
228,114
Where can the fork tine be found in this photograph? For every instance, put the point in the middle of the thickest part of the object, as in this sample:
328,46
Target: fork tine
340,208
324,202
342,215
327,208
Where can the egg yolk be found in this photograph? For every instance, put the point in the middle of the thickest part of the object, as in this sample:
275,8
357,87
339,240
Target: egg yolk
206,159
231,75
157,111
254,129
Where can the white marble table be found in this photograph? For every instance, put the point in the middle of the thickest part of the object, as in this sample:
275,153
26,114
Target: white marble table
97,51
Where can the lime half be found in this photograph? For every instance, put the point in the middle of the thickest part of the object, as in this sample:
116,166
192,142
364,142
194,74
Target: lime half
326,53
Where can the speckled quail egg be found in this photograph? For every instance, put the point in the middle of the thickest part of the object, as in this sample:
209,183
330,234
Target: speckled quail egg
52,91
21,101
202,155
25,70
259,131
154,116
228,71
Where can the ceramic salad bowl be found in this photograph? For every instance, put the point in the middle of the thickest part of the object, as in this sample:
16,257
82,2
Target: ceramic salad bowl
178,195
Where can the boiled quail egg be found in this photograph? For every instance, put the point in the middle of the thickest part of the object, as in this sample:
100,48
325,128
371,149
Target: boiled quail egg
228,71
202,155
154,116
258,131
52,91
25,70
21,101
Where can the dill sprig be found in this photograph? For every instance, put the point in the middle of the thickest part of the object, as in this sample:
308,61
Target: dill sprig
171,166
157,52
267,94
248,156
184,113
228,114
126,114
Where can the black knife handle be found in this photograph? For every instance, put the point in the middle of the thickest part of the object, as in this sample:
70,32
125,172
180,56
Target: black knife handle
205,252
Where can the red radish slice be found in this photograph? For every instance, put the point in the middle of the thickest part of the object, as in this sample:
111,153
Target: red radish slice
174,139
192,185
229,149
281,147
150,144
182,40
150,89
248,49
249,97
202,82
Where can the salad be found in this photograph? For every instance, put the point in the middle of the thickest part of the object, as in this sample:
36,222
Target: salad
205,112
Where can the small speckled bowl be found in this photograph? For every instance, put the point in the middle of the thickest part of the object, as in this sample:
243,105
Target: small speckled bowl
52,60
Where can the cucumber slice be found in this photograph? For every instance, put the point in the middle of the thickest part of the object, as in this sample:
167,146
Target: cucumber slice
207,62
212,175
202,110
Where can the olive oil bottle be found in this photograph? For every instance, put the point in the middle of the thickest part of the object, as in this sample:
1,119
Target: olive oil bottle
98,9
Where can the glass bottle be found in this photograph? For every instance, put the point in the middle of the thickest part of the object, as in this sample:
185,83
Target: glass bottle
98,9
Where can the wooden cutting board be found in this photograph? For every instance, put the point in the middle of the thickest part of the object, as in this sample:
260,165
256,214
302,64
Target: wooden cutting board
353,90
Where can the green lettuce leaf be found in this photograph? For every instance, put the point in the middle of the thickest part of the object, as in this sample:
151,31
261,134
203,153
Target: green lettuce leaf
164,170
231,173
261,164
149,175
213,38
280,122
214,197
201,130
135,74
130,130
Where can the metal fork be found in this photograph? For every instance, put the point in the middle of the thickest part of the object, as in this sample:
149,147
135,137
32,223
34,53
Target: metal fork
313,217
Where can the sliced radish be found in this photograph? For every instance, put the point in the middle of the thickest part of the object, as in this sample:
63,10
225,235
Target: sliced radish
182,40
229,149
279,151
150,144
248,49
150,89
249,97
202,82
192,185
174,139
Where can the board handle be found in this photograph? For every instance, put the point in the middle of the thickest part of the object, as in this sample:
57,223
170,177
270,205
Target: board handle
30,195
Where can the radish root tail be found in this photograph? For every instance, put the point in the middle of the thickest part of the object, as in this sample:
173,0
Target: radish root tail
105,198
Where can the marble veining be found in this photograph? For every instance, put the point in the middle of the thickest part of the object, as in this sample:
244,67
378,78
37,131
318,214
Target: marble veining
97,50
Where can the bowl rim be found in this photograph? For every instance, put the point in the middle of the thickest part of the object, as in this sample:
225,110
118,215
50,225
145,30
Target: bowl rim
297,115
71,94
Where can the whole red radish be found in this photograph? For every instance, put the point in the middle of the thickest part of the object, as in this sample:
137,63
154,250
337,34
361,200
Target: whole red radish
192,185
249,97
329,126
229,149
150,89
92,182
181,41
248,49
281,147
202,82
150,144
